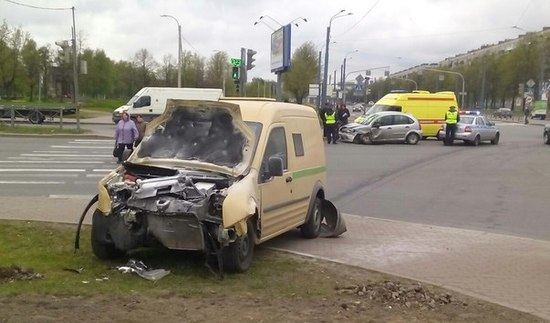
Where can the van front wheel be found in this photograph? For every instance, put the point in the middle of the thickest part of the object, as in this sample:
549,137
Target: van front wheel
312,228
237,257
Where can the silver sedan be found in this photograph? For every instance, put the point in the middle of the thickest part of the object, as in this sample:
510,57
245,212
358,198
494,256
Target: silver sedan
474,128
387,126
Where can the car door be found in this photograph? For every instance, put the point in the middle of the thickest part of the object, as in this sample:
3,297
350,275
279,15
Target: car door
482,128
275,191
401,126
383,130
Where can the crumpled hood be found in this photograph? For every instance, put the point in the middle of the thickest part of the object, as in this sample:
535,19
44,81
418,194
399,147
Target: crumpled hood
206,135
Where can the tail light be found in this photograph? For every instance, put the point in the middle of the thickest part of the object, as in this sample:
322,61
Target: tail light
467,129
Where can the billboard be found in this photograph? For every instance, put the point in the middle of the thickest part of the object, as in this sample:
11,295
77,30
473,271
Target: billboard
280,49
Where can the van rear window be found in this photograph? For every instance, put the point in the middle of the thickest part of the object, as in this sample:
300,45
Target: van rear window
383,107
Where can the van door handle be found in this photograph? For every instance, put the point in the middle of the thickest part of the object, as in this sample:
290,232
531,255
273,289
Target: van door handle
288,179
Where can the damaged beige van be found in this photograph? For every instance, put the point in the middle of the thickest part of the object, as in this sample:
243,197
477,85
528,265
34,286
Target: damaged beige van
218,177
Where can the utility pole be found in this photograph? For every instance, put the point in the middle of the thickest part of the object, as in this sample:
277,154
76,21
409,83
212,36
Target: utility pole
75,75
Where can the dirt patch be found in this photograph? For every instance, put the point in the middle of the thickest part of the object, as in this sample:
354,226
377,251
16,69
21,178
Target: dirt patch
13,273
356,295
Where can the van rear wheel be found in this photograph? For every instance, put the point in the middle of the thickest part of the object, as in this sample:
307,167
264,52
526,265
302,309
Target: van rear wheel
312,228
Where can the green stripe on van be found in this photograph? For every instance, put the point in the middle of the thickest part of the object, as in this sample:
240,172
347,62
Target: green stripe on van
309,172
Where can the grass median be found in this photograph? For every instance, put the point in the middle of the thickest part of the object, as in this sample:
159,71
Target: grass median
31,129
43,279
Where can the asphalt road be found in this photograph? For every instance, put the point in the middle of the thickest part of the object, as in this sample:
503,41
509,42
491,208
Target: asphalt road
490,188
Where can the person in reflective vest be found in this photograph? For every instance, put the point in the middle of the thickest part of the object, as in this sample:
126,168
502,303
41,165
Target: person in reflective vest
451,119
331,130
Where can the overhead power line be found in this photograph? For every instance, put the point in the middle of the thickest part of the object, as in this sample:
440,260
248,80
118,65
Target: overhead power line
363,17
35,7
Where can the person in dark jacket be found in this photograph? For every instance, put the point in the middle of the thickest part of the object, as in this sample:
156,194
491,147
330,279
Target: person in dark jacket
343,115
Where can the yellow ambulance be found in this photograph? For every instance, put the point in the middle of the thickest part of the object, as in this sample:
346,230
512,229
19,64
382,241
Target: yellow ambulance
428,108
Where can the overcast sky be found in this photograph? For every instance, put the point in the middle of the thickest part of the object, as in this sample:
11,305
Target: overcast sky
395,33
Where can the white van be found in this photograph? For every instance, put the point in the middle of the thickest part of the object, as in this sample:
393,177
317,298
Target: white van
150,102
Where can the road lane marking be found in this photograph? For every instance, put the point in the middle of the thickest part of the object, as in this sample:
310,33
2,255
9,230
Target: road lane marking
42,175
31,182
82,147
45,160
69,196
9,170
91,140
64,155
95,175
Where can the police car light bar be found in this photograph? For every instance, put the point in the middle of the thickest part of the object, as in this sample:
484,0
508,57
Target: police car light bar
471,113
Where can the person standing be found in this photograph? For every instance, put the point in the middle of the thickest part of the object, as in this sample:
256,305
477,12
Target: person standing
140,125
330,125
451,119
343,115
126,134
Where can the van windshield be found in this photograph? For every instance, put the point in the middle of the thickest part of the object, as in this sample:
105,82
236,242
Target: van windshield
132,100
210,137
383,107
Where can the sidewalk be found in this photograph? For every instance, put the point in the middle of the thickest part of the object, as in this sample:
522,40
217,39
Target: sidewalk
507,270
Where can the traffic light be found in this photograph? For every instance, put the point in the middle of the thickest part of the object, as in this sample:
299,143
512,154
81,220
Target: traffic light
250,59
235,73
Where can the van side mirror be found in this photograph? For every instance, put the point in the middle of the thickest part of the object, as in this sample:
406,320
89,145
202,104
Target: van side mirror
275,166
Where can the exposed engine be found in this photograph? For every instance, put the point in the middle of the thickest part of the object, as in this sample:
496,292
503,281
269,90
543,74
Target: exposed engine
182,211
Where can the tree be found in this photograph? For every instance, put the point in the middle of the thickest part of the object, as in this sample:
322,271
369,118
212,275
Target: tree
31,63
146,66
217,70
100,78
192,70
11,42
167,72
304,71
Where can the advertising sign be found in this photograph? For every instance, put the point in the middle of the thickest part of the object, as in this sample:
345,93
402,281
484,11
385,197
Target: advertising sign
280,49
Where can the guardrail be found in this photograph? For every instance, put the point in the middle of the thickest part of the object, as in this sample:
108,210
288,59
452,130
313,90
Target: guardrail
35,115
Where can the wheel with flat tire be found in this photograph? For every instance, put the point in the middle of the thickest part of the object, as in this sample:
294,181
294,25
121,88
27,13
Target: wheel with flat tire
412,139
237,256
312,228
496,139
546,138
102,244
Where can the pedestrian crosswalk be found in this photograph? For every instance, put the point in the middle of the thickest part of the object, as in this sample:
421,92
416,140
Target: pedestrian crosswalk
66,167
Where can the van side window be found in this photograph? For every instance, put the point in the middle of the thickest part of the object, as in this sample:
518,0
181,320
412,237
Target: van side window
143,101
276,147
298,144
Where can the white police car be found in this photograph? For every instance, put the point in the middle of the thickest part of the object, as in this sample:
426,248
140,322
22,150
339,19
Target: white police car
473,128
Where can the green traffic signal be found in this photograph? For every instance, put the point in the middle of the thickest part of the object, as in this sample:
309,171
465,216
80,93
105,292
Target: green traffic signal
235,73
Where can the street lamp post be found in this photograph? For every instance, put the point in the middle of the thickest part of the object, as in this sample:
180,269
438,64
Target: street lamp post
325,73
463,93
179,46
344,76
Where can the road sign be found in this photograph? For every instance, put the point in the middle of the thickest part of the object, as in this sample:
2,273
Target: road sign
236,62
359,78
530,83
